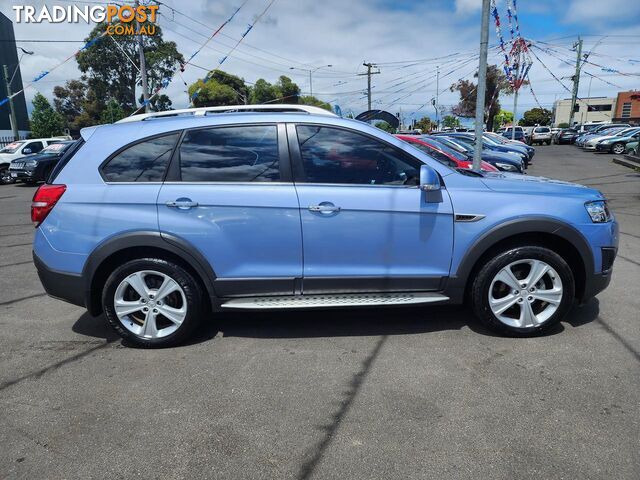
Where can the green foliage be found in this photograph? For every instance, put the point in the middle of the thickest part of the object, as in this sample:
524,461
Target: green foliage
564,125
78,104
385,126
221,88
502,118
45,121
109,68
287,90
536,116
309,100
112,112
424,124
449,121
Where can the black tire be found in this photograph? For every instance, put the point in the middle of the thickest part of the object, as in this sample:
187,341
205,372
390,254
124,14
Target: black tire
484,278
619,147
5,179
191,288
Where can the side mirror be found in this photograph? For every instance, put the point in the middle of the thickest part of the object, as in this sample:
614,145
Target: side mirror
429,180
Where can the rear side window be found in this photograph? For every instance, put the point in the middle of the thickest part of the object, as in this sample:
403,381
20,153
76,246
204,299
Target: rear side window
230,154
145,161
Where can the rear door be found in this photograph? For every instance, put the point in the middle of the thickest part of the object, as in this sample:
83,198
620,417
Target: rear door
229,194
366,225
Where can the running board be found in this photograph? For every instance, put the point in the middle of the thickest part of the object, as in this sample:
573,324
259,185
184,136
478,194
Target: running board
336,300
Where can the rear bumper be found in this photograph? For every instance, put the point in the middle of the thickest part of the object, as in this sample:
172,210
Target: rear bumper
61,285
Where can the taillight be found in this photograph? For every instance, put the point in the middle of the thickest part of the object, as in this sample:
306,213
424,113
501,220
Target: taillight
44,200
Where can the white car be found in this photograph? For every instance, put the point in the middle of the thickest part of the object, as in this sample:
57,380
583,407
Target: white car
540,135
22,148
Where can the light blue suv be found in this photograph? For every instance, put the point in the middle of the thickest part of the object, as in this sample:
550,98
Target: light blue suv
165,219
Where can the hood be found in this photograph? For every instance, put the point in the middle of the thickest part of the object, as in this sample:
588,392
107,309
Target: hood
37,157
515,183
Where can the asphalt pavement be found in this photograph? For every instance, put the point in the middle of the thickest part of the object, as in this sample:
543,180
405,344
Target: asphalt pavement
408,393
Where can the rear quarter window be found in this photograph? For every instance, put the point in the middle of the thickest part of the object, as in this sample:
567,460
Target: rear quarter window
144,161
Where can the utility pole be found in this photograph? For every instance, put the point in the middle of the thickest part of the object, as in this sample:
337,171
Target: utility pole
576,80
482,85
12,117
437,95
143,68
368,74
515,105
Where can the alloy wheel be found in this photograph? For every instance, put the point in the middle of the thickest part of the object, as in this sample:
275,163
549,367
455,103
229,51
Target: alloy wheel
525,293
618,149
150,304
5,176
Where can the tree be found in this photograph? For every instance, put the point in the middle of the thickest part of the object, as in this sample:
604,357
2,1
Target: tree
424,124
78,104
449,121
219,88
564,125
113,71
160,103
536,116
309,100
45,121
503,117
287,90
112,112
496,83
385,126
263,92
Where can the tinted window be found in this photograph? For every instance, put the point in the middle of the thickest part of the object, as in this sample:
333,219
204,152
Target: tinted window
439,156
332,155
542,130
143,162
35,147
230,154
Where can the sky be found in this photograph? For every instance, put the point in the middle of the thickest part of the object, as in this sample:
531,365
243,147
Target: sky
408,40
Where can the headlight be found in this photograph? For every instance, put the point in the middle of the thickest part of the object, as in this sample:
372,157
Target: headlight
507,167
30,163
598,211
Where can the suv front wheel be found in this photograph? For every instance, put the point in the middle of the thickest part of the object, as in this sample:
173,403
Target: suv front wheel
152,302
523,291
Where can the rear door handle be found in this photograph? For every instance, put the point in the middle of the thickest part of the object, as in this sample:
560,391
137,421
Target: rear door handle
182,203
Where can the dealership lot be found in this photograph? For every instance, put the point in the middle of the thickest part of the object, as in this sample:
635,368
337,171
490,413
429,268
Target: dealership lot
384,393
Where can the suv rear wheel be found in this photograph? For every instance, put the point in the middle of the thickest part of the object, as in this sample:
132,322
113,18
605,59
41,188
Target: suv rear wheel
152,302
5,176
523,291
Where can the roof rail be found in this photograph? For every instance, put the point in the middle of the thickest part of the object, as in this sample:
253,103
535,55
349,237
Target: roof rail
202,111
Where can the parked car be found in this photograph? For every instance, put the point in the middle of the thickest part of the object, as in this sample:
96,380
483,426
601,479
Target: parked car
540,135
19,149
36,168
567,135
531,151
501,161
162,224
519,134
599,130
518,152
507,162
444,154
592,141
617,144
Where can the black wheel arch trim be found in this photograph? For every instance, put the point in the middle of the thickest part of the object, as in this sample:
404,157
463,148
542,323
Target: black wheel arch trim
174,245
458,280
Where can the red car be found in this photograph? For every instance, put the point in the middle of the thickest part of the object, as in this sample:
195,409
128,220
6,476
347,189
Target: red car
444,154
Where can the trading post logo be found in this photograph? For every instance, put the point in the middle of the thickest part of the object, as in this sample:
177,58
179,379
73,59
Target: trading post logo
122,19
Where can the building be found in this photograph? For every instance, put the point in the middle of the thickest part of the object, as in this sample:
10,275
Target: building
9,57
628,108
587,110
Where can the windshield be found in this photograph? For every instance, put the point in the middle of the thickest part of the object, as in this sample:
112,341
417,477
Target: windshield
12,147
54,149
497,138
457,146
449,151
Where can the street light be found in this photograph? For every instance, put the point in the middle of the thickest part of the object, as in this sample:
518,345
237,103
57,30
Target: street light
8,81
311,72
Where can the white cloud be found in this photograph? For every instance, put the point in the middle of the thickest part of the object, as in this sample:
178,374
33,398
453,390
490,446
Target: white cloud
468,6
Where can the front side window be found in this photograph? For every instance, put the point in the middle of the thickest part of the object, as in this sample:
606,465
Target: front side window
230,154
145,161
333,155
35,147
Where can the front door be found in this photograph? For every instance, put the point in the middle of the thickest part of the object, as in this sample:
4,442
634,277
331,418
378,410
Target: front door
229,194
366,225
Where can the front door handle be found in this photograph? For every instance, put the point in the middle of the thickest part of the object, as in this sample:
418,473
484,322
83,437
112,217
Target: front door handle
182,203
325,208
